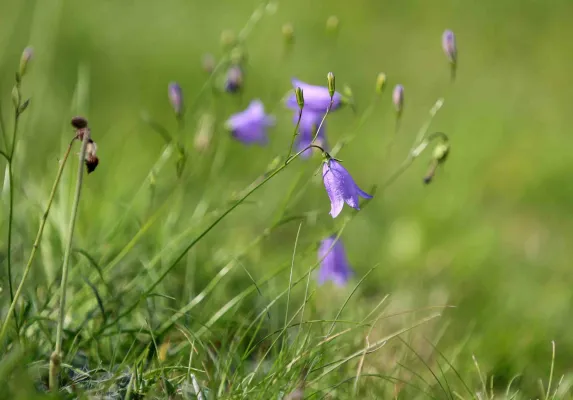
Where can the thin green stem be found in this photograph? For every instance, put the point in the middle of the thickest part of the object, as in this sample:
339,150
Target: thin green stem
295,133
11,210
56,357
36,243
150,289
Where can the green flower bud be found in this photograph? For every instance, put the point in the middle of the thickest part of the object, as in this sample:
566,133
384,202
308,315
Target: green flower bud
288,33
237,55
380,82
331,84
332,24
299,97
27,55
16,97
228,38
441,151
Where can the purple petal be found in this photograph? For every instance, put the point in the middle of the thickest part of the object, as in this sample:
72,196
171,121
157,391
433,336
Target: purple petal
334,264
351,189
334,189
316,98
249,126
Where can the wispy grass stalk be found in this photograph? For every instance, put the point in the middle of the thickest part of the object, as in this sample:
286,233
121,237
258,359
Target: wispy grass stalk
36,242
56,357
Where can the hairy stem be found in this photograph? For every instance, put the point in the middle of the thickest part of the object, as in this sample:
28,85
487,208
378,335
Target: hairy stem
56,358
36,242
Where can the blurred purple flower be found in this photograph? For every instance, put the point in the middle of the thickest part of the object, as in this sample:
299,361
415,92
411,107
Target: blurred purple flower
250,126
316,98
449,45
175,97
334,265
398,97
234,79
309,123
340,187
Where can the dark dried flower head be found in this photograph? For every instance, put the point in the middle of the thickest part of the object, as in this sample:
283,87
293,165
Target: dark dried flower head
79,122
91,159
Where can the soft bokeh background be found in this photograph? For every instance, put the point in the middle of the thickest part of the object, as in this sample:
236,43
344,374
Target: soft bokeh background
491,235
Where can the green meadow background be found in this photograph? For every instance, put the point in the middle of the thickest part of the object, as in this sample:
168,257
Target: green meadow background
490,236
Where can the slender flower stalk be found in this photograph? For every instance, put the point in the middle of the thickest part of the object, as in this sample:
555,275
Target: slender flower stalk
56,357
19,108
36,243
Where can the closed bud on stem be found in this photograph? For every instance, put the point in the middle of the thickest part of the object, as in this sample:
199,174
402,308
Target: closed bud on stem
228,38
27,55
439,156
175,95
16,97
332,24
449,45
299,97
398,98
331,84
380,82
237,55
288,33
208,63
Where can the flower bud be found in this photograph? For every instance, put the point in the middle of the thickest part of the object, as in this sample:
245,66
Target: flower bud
332,24
347,92
27,55
380,82
175,95
449,45
237,55
398,97
208,63
204,134
299,97
228,38
234,79
441,151
16,97
288,33
331,84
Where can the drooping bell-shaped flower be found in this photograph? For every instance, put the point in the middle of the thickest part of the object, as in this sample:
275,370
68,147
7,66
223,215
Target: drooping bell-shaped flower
398,98
334,264
234,79
316,98
340,187
250,126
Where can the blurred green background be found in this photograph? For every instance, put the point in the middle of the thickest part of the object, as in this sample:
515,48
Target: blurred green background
489,236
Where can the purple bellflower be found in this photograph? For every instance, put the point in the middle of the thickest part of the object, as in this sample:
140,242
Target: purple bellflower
175,97
309,123
316,98
250,125
340,187
334,265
